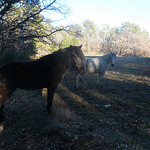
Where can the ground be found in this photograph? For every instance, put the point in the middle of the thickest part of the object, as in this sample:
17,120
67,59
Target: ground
116,117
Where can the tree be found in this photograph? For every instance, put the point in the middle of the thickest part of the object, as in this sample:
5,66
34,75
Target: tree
133,40
90,28
90,36
108,38
127,40
31,22
71,36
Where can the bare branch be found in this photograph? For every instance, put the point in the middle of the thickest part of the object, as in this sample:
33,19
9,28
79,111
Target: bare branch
7,5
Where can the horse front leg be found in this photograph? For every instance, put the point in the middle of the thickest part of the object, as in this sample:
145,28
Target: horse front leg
100,81
76,80
50,97
2,114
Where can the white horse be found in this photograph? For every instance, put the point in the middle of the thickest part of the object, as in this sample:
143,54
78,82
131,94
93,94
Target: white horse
97,65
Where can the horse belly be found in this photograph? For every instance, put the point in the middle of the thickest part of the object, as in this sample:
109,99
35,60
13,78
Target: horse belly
32,83
92,68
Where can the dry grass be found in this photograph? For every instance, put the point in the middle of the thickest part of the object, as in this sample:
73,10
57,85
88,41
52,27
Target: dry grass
116,117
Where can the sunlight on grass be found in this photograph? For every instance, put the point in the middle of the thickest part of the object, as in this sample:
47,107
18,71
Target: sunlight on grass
100,96
1,128
61,109
76,97
126,77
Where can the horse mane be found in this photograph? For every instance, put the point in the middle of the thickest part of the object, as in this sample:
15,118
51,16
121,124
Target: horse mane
59,59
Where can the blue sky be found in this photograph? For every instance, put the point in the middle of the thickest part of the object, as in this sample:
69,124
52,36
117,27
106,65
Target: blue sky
111,12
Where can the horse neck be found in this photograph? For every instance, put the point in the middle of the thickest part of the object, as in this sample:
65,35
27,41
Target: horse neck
63,61
58,60
108,58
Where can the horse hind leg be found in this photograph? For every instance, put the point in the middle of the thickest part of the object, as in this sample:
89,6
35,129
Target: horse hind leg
78,78
76,81
2,114
50,97
3,100
4,96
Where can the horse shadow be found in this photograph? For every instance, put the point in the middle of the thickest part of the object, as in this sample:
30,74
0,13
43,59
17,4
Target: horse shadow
118,110
121,108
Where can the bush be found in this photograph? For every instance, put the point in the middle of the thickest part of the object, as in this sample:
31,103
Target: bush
9,56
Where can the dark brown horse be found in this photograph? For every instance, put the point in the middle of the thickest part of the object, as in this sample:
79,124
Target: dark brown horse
46,72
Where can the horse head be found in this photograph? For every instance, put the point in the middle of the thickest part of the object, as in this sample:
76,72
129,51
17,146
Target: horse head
77,59
113,54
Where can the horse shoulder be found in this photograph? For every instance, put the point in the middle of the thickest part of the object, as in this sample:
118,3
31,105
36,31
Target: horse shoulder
89,65
101,65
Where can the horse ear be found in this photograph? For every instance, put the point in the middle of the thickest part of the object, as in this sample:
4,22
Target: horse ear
80,46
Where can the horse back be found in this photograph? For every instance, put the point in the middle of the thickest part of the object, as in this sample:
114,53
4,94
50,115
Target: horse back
29,75
96,65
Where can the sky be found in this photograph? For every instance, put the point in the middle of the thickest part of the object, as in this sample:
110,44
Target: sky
111,12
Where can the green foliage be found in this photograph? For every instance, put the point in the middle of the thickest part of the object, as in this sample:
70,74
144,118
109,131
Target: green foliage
76,30
22,22
13,55
130,26
69,41
9,56
90,28
41,47
107,33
